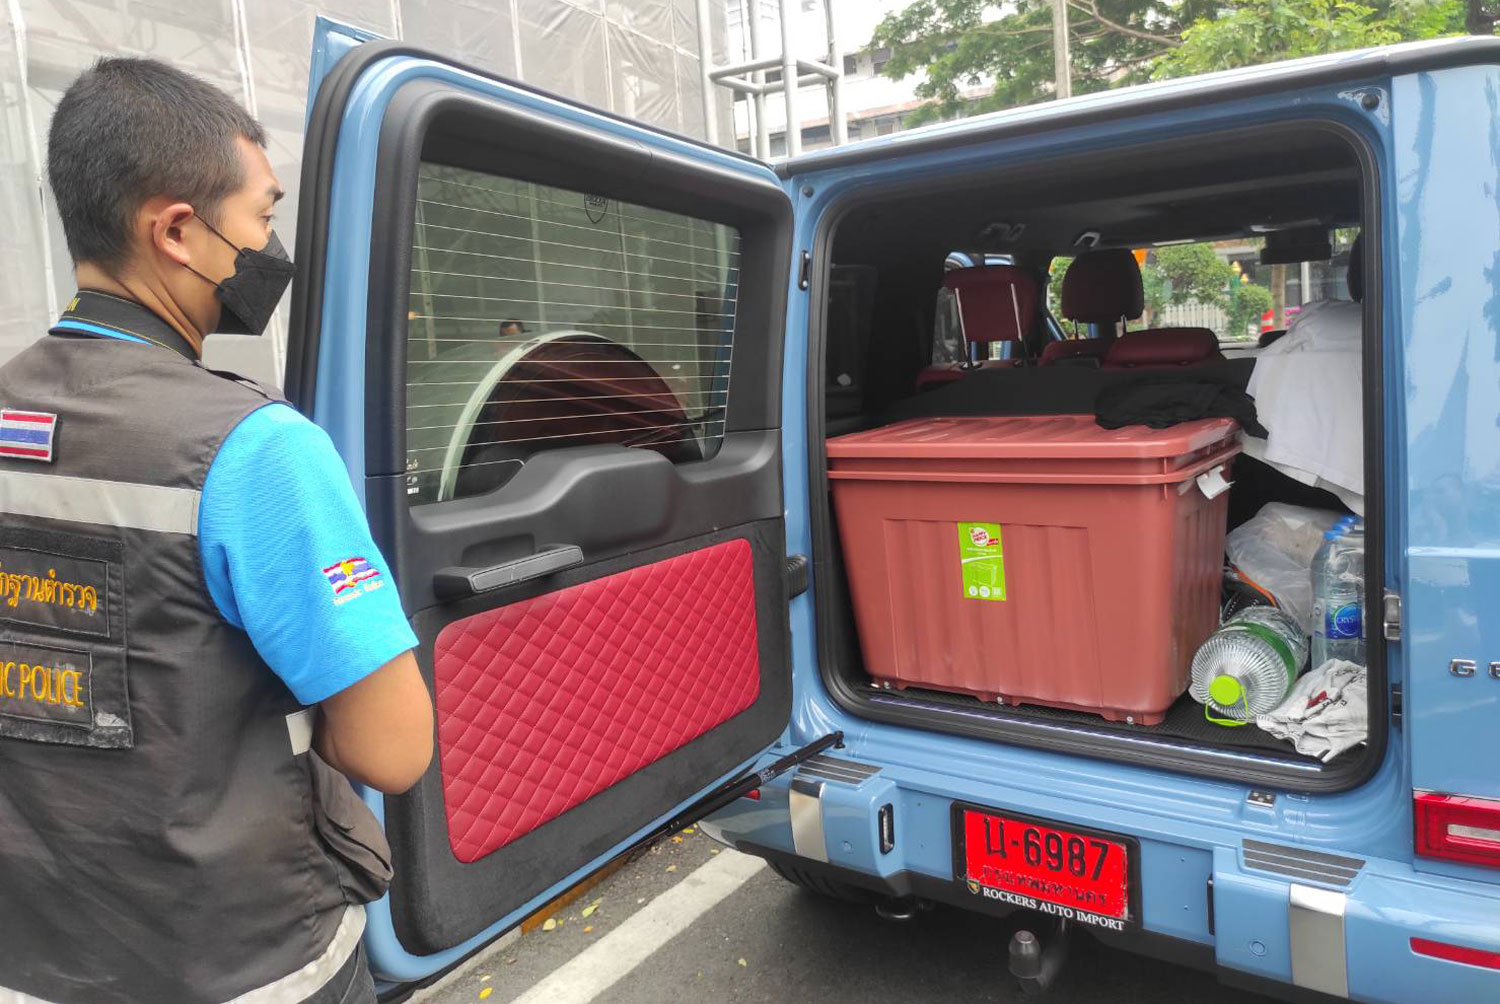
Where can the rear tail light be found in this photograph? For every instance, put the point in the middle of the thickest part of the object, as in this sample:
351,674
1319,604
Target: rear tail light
1456,953
1458,828
753,794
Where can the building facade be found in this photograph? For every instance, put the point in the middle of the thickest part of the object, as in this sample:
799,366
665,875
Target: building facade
873,104
639,58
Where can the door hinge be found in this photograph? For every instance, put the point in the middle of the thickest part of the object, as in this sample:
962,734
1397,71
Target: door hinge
737,787
797,575
804,272
1396,708
1390,618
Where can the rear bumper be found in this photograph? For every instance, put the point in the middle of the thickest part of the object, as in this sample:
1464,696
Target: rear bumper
1284,919
902,885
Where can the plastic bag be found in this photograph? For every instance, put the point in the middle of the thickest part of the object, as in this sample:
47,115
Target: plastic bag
1275,549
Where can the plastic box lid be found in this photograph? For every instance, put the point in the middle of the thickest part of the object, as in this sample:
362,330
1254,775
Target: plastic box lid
1029,437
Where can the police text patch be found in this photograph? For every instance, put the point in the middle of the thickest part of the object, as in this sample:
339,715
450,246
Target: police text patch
50,590
63,666
39,683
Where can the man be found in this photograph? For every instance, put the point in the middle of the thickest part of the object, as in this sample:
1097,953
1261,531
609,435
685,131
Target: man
184,568
512,329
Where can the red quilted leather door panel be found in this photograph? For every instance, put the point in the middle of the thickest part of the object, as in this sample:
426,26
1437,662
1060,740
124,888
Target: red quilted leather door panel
544,703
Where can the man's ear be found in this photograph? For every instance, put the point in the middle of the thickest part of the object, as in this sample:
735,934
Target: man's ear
165,223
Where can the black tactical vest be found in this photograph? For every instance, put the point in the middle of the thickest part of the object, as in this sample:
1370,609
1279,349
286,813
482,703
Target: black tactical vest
157,833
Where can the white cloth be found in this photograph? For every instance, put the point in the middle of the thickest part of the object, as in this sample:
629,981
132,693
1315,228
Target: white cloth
1327,711
1308,390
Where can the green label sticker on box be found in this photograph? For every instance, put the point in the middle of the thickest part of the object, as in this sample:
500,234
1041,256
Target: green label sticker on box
982,559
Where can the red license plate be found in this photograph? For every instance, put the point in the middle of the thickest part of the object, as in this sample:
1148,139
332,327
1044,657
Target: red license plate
1080,874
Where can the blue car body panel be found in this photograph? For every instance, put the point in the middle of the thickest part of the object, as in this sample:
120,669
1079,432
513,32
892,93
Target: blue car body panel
1434,140
1446,131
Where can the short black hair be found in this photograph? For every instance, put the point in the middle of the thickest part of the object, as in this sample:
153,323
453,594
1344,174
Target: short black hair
131,129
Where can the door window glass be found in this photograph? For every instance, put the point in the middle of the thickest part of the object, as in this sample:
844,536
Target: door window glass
543,318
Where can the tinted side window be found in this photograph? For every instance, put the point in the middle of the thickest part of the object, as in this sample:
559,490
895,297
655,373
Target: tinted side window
543,318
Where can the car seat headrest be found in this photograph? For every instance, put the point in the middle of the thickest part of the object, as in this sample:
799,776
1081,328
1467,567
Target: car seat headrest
996,303
1101,287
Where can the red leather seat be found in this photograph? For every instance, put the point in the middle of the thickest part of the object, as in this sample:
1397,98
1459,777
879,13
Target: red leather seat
1099,287
1078,351
1159,348
1104,287
996,303
941,373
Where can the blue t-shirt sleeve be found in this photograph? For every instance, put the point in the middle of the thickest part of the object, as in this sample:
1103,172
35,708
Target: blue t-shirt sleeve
288,557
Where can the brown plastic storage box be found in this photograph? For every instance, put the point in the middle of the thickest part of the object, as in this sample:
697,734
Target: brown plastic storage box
1035,559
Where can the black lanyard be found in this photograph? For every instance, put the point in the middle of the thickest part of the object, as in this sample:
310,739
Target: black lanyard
91,314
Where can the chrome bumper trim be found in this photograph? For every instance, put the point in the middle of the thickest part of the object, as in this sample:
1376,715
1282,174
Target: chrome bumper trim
1315,923
805,801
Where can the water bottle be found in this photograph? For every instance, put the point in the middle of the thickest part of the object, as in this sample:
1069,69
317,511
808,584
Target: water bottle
1248,665
1355,539
1338,580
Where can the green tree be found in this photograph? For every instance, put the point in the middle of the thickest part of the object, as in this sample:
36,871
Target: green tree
1185,273
964,44
1247,32
1248,304
1481,17
1056,269
960,43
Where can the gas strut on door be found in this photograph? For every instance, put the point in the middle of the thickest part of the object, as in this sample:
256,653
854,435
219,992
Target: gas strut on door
740,786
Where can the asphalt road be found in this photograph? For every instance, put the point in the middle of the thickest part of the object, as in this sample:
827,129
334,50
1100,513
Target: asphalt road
689,920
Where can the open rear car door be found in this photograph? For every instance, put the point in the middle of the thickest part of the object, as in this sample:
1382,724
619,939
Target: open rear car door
583,510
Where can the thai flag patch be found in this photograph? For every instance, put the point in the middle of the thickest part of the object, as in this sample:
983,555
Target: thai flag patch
349,573
27,435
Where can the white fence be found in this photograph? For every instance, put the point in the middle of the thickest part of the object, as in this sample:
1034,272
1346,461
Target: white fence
1195,315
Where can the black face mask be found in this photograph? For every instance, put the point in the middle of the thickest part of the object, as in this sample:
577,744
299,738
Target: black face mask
249,296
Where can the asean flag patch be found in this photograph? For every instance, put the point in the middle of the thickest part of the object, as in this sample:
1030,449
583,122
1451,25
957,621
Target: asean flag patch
349,573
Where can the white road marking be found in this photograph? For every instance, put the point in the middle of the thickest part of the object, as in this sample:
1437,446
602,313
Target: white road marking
603,964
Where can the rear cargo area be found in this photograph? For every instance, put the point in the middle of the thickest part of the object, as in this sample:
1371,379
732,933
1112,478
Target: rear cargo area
1089,586
993,560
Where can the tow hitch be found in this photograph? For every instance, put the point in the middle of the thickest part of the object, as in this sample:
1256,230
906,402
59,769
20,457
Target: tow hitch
1036,964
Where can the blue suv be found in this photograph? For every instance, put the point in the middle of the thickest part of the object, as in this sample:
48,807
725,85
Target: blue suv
583,372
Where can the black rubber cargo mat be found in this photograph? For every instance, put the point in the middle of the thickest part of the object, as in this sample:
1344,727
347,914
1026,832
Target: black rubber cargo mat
1184,722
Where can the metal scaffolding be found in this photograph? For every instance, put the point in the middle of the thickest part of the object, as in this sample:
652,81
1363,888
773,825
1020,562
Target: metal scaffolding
749,78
